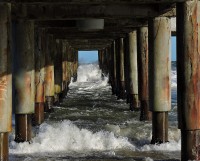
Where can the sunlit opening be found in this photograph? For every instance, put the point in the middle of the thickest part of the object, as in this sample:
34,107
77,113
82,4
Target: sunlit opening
86,57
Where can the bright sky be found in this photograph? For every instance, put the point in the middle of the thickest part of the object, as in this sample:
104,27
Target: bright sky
92,56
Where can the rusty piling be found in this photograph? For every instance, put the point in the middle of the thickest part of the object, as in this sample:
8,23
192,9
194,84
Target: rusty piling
5,79
38,117
49,74
24,79
58,71
133,72
159,76
188,78
64,68
143,83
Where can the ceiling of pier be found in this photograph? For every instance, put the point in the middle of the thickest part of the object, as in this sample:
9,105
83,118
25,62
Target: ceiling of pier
60,17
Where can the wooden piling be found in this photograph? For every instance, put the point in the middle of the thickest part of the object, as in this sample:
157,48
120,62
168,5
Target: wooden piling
5,79
133,72
24,79
143,82
188,78
159,76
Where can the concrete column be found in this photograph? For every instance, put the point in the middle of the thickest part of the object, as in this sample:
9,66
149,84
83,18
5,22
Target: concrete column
109,64
5,79
64,68
24,79
117,66
114,76
99,59
133,72
38,117
121,70
127,68
68,71
49,73
159,76
188,78
103,57
143,83
75,66
58,71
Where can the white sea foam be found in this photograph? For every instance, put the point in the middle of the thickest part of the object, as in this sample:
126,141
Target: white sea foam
67,137
89,73
170,146
173,79
89,78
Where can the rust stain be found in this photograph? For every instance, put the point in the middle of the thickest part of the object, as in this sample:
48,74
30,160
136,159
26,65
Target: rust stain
27,79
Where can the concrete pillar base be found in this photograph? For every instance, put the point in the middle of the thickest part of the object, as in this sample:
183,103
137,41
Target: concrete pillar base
4,146
145,113
49,104
134,102
159,127
121,94
190,147
23,127
38,116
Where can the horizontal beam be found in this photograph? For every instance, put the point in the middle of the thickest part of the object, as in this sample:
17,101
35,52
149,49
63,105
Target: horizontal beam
86,47
77,41
107,23
99,1
112,29
108,36
66,11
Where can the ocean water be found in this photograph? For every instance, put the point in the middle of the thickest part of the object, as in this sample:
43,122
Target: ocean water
91,124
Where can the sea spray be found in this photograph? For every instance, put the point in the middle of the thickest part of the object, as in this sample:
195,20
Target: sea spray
65,136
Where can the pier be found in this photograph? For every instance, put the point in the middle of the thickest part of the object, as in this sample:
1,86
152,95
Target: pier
39,44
